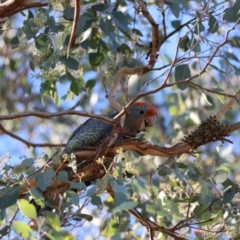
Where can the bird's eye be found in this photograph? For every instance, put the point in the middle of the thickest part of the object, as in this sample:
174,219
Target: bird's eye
141,112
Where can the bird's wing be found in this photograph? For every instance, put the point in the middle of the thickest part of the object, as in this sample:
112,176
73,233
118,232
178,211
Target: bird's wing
91,134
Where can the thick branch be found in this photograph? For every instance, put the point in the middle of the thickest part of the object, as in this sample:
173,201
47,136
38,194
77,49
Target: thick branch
11,7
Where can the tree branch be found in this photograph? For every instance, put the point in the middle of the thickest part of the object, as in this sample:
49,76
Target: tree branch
29,144
11,7
77,8
57,114
154,47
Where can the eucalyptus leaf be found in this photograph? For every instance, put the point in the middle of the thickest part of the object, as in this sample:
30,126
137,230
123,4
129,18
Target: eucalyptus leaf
27,209
120,20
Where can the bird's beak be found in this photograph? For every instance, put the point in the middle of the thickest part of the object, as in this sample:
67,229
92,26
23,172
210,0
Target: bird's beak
148,122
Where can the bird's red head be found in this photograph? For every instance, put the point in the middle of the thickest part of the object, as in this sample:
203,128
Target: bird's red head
141,116
152,111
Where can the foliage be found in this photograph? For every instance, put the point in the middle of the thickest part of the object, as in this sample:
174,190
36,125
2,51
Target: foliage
188,69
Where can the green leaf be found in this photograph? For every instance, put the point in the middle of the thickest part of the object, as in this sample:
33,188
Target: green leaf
31,65
213,220
206,195
95,59
182,72
199,28
96,200
28,162
120,198
235,41
14,42
35,192
120,188
173,110
90,84
77,185
109,227
227,183
120,20
88,25
124,48
44,179
163,171
91,191
184,42
85,44
70,76
100,7
175,208
102,47
204,216
9,197
30,29
22,229
221,97
95,37
233,14
53,220
127,205
231,55
27,209
41,42
229,194
106,26
184,2
176,23
74,198
219,176
137,31
68,13
62,176
75,88
81,24
213,24
69,62
30,15
52,24
87,217
217,68
181,165
175,8
4,231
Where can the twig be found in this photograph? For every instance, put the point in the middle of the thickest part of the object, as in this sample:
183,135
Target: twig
210,90
150,225
223,110
184,222
72,39
78,102
29,144
186,81
137,70
163,19
57,114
